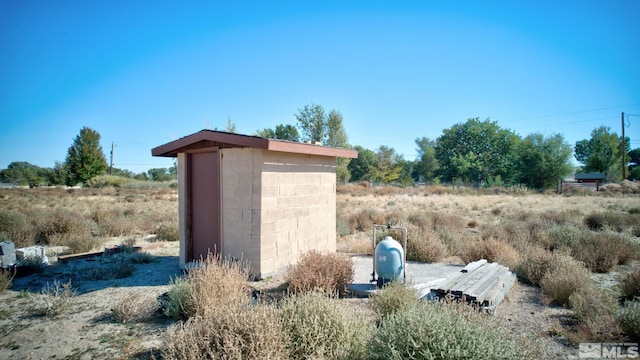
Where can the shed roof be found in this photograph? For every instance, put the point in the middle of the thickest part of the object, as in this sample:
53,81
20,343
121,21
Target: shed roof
209,138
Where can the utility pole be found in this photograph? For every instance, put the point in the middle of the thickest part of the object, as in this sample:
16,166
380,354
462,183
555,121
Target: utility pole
624,163
111,160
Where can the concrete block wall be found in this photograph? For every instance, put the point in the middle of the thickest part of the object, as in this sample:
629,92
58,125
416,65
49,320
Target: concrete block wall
276,206
240,199
298,207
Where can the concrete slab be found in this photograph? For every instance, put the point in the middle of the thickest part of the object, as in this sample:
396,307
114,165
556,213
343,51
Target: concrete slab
423,276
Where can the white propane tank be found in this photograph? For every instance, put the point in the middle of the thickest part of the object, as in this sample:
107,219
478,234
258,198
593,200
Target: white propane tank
389,260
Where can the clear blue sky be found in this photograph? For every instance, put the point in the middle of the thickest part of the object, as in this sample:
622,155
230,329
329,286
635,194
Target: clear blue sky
143,73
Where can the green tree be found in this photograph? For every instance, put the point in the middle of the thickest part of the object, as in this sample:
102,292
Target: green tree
58,175
426,164
231,127
24,173
281,132
85,158
389,167
336,134
363,167
160,174
312,122
543,161
476,151
601,153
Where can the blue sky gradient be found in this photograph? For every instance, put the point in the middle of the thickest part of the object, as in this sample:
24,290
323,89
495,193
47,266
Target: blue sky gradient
146,72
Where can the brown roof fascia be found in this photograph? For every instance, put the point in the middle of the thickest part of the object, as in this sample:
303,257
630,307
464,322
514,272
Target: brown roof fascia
209,138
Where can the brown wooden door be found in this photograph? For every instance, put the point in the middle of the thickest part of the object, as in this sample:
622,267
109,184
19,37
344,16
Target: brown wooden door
204,204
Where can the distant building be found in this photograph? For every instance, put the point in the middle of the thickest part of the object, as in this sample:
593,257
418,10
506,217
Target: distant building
592,178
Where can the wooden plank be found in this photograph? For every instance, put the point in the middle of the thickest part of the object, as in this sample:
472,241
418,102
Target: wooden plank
460,288
448,284
481,287
473,265
445,286
85,255
493,300
487,296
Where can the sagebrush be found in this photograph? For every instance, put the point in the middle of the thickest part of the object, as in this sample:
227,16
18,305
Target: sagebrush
316,271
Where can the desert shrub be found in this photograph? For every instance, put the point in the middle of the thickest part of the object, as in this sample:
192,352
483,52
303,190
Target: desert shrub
364,220
596,309
634,210
230,332
495,231
601,251
421,219
424,245
60,222
615,221
535,262
490,249
135,307
564,236
6,279
76,243
168,232
146,184
16,227
33,264
109,267
114,222
446,331
342,227
630,284
315,271
179,296
564,276
102,181
395,296
595,221
629,318
320,328
216,282
54,299
558,217
447,221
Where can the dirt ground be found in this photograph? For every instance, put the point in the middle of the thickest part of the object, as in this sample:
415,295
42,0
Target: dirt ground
89,331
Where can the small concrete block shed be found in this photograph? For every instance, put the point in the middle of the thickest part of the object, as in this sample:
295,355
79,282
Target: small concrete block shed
261,200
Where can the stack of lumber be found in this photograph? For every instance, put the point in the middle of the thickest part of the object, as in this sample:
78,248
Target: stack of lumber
480,283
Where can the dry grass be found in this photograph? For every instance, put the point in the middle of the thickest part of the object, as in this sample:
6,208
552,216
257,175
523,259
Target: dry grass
315,271
492,250
6,279
82,219
564,277
229,332
320,328
534,264
596,310
629,318
135,307
54,299
630,284
216,282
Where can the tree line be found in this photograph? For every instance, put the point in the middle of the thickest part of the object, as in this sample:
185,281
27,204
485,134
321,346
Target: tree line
474,152
85,159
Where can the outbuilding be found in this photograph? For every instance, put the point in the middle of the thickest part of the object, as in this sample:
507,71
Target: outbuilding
591,178
261,200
